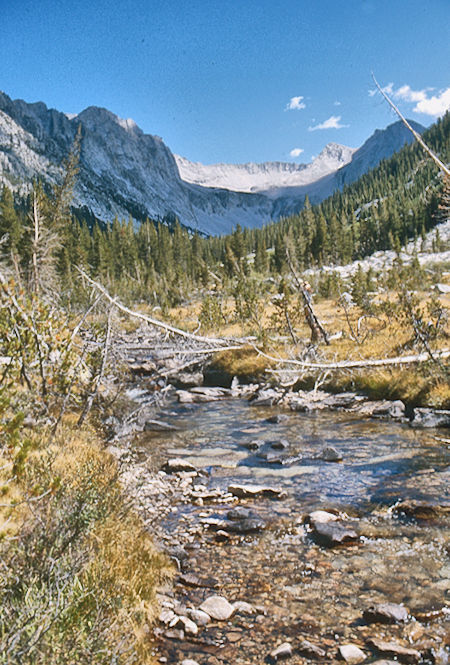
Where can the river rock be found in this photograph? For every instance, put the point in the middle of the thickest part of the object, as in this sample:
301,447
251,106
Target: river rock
343,400
189,661
176,465
201,394
222,536
330,454
211,393
352,654
430,418
199,617
167,615
267,397
386,613
186,379
243,527
272,458
402,654
276,418
310,650
218,608
189,626
244,608
280,445
333,534
320,517
192,580
159,426
253,491
254,445
174,634
281,652
239,513
421,510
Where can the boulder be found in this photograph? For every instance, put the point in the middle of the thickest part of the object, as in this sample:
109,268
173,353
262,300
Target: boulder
188,625
192,580
239,513
254,445
217,607
386,613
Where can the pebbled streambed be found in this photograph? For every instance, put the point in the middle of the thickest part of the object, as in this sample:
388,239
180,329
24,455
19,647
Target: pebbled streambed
391,486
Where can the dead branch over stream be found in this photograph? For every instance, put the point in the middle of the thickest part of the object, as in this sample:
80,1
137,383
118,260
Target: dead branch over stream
228,344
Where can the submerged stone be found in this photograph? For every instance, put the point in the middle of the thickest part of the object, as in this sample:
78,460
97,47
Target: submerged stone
281,652
430,418
330,454
310,650
352,654
249,525
402,654
252,491
333,534
159,426
385,613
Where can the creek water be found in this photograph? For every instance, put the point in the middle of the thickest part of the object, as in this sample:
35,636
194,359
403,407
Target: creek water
304,590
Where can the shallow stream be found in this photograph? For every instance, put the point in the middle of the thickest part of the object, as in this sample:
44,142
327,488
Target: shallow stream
303,590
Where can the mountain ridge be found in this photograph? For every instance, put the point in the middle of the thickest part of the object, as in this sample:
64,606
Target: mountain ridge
123,171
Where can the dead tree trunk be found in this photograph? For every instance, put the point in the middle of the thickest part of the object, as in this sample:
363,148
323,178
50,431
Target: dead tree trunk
316,327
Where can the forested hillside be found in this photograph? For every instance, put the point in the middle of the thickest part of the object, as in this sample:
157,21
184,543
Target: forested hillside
162,262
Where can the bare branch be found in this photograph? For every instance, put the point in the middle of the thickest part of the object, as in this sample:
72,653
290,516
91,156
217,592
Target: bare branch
416,135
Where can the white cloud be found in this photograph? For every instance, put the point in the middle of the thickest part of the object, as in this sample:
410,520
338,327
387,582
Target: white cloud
408,95
333,122
336,103
435,105
295,104
296,152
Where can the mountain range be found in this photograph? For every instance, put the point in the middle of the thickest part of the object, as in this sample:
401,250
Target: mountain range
123,171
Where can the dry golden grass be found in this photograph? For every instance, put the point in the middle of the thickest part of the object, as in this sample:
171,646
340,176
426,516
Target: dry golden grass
363,337
123,568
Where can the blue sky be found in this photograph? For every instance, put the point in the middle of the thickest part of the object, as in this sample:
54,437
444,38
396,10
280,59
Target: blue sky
232,80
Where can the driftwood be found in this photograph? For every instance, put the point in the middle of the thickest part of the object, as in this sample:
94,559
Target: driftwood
216,341
224,344
359,364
